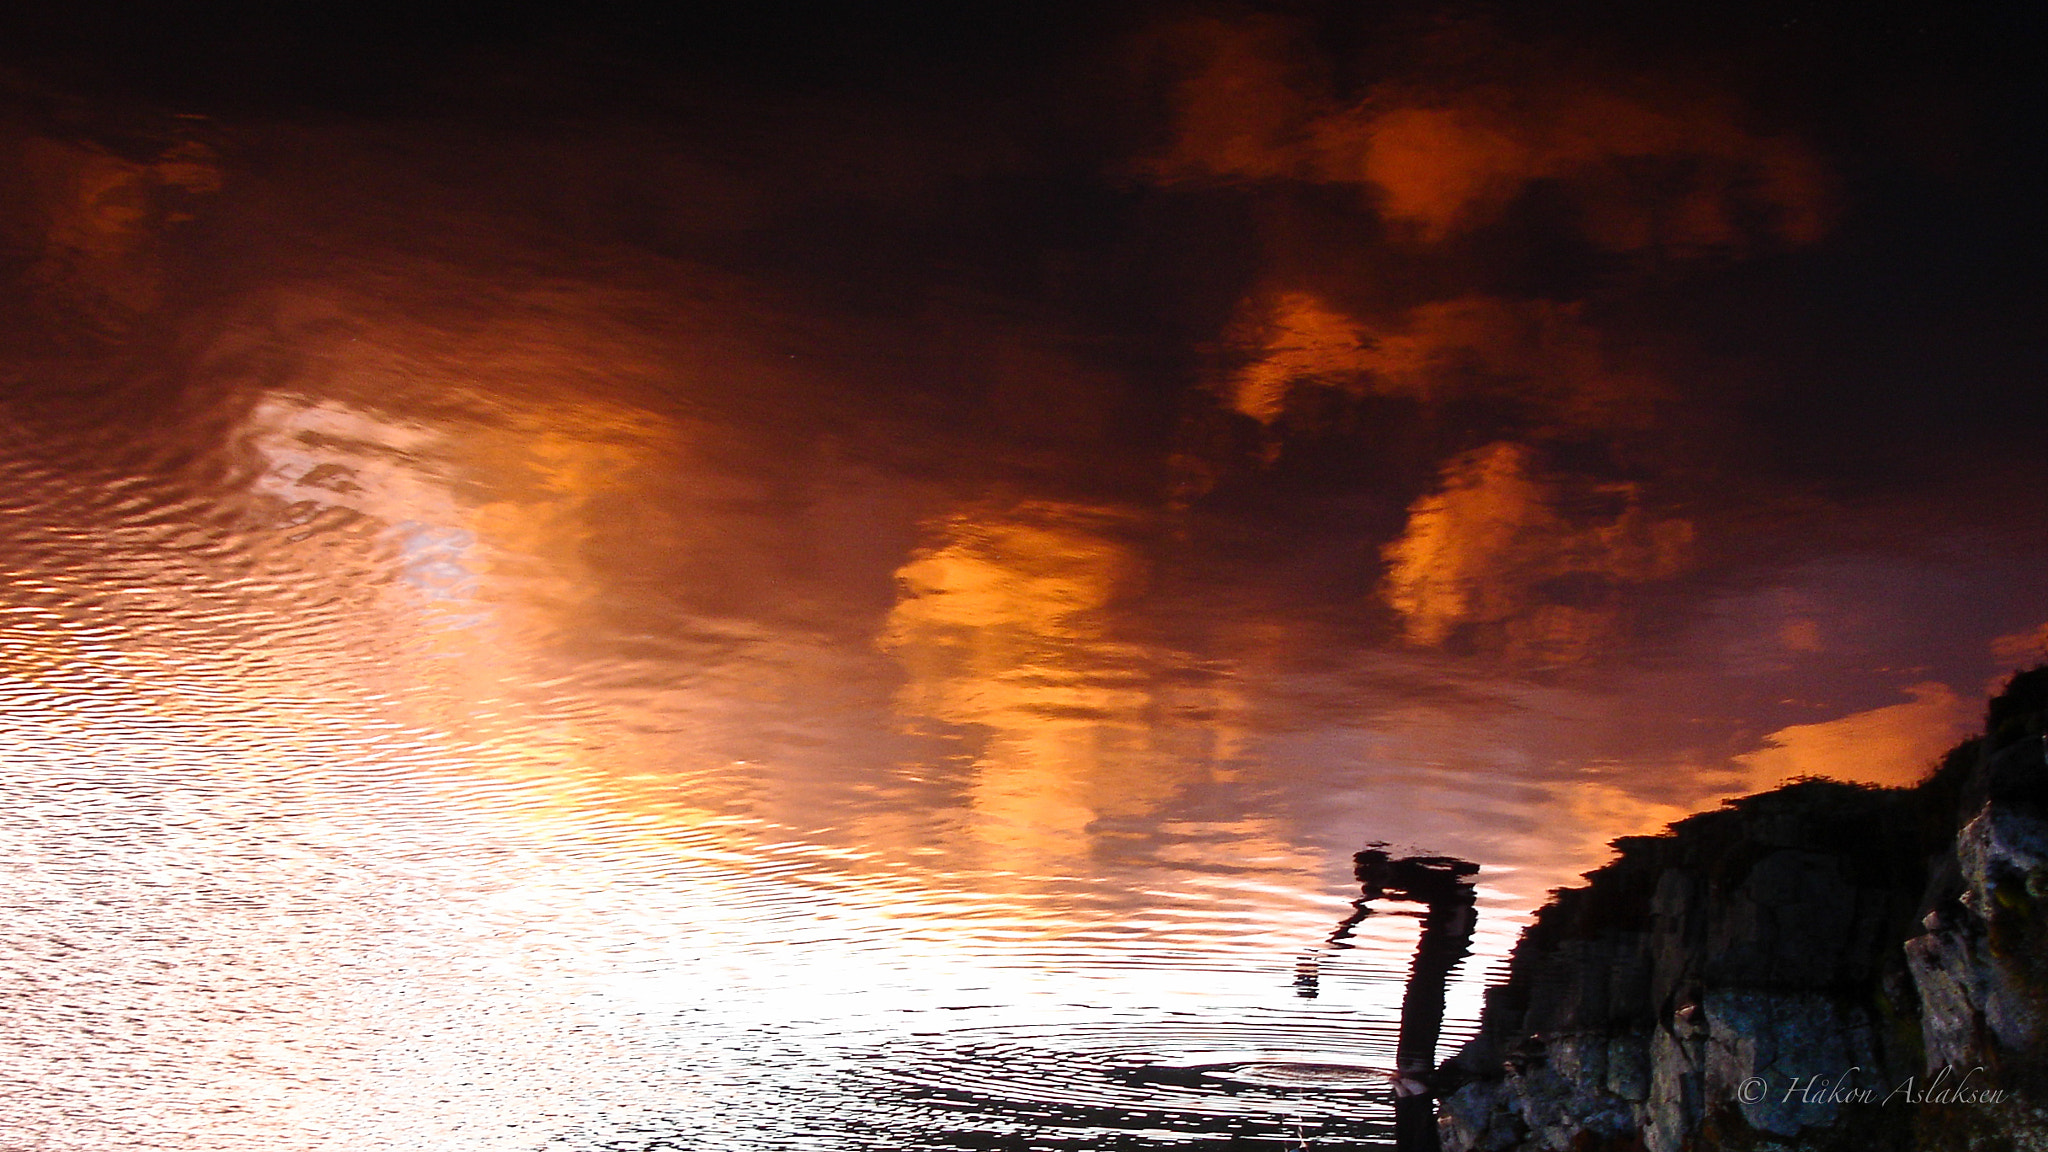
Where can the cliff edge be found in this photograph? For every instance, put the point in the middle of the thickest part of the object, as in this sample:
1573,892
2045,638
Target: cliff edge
1820,967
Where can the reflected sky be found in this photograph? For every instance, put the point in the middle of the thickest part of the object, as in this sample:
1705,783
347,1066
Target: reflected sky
596,587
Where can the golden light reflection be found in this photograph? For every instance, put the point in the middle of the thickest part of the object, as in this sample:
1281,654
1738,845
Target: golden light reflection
485,532
1006,625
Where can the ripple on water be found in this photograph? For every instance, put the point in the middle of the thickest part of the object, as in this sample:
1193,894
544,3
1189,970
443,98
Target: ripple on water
300,866
1135,1082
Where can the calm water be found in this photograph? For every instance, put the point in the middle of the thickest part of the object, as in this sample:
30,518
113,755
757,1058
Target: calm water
469,682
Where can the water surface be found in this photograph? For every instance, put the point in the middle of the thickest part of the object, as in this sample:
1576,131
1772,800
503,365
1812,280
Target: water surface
621,633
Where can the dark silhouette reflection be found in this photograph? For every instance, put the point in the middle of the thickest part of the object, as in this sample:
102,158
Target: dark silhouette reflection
1443,886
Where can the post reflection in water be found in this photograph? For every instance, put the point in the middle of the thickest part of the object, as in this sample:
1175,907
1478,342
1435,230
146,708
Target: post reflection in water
762,585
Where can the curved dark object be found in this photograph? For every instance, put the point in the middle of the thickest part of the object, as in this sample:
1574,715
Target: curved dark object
1443,885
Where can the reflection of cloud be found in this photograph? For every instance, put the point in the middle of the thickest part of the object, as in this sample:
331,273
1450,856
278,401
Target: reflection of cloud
335,456
1005,624
1646,172
330,463
1893,745
1535,352
1239,106
486,522
1800,636
2022,647
1302,342
1479,551
1647,169
470,548
102,222
1597,812
550,473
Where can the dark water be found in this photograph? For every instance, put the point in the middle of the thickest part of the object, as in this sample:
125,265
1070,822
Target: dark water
558,637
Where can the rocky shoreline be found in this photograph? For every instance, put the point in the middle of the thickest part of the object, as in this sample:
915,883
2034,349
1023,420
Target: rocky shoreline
1823,966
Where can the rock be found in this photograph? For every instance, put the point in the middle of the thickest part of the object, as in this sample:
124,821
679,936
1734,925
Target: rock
1978,967
1767,975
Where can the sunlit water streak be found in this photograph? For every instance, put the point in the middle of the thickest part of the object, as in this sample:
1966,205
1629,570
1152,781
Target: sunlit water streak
250,975
342,814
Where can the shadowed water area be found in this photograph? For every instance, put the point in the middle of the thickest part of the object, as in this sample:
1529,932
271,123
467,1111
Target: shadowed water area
592,596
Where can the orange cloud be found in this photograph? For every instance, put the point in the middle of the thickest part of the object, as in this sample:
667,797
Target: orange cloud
1301,342
2022,647
1532,350
1647,172
100,221
1893,745
1004,625
1479,550
1240,108
1648,168
1801,636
